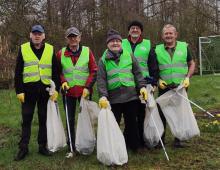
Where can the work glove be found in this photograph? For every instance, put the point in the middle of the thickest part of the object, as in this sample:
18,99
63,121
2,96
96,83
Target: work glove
85,93
65,86
186,82
20,97
162,84
143,92
54,96
103,102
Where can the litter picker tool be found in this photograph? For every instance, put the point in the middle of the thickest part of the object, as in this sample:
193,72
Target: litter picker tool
161,142
207,112
70,154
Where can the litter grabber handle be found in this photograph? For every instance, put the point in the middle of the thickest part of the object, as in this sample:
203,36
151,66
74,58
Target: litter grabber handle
68,125
175,86
162,144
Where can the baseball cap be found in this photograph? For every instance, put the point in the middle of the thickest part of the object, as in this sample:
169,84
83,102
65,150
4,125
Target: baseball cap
37,28
72,30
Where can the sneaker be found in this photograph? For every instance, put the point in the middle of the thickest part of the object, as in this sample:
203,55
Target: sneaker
22,153
44,151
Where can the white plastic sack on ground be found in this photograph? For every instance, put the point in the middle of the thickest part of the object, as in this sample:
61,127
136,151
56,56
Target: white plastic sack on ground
85,137
178,113
152,118
56,138
111,148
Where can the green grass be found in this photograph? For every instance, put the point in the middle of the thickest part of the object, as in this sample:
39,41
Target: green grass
205,91
202,152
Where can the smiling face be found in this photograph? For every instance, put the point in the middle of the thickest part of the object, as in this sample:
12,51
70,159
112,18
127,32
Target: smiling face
114,45
135,31
37,37
73,40
169,35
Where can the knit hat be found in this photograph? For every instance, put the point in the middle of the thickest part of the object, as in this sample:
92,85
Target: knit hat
113,34
135,23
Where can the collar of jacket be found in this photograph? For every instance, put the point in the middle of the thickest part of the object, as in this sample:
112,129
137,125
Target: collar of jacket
172,48
32,45
140,39
110,55
69,53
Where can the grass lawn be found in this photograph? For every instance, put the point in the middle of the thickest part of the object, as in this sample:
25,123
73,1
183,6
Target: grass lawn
202,152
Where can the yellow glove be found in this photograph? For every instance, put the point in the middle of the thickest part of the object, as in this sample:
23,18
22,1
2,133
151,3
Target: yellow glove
186,82
65,86
85,93
54,96
143,93
20,97
103,102
162,84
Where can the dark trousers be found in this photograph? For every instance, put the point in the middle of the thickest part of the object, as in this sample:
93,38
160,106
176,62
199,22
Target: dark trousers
140,121
161,92
129,110
31,99
71,109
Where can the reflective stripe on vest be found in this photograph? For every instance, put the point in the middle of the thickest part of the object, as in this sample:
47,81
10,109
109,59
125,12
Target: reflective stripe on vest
35,69
121,74
172,70
141,53
78,74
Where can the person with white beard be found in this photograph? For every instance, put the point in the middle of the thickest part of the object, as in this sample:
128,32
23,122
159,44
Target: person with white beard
141,49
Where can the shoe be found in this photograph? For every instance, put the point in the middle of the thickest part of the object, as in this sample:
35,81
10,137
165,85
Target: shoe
72,154
22,153
178,144
44,151
158,146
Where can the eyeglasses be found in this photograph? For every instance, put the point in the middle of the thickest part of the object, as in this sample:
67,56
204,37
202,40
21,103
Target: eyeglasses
72,36
134,27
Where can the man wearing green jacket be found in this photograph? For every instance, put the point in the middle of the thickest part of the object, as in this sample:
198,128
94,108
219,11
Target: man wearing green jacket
36,65
176,66
120,82
141,49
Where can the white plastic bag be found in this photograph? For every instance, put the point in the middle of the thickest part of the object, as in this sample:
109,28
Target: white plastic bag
178,113
93,110
56,138
151,136
111,148
85,137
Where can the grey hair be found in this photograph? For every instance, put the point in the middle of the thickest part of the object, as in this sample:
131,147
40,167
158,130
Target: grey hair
168,26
